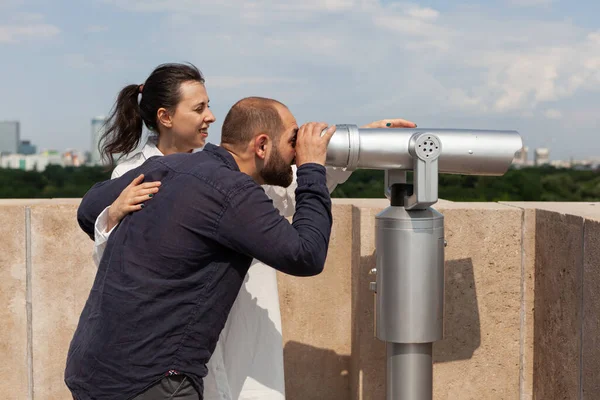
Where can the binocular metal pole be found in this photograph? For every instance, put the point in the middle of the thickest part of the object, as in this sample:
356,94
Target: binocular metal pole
410,234
410,275
410,371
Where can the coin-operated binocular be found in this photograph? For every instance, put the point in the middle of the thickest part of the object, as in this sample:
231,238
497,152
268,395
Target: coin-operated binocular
409,284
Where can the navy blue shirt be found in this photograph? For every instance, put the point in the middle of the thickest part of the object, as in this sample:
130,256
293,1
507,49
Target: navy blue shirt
171,271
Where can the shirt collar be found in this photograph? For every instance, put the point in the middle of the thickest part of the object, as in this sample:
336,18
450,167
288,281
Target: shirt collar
150,149
223,154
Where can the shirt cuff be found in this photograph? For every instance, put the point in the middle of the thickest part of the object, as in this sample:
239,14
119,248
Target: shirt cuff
312,173
100,233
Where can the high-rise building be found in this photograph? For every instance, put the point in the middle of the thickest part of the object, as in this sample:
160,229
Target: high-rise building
27,148
97,132
9,137
521,156
542,156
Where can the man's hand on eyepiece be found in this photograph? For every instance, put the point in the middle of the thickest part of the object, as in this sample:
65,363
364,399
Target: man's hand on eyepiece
311,143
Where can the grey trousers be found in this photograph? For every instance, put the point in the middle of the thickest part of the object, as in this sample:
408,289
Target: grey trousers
175,387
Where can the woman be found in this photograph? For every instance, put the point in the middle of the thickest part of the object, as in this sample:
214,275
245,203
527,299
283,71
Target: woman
173,104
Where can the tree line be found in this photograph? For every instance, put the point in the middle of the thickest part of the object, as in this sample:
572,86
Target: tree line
526,184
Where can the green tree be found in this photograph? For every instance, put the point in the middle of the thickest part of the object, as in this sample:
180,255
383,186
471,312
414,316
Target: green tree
527,184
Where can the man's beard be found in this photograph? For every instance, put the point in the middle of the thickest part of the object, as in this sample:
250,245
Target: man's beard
277,172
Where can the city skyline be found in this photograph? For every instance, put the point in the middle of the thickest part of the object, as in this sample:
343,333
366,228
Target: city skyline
524,156
527,65
27,157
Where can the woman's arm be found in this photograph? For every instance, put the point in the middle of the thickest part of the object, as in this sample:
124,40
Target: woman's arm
131,199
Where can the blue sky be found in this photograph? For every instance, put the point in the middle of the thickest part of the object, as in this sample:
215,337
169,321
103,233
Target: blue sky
529,65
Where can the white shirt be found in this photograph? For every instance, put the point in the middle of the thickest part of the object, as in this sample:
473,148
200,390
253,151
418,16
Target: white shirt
247,363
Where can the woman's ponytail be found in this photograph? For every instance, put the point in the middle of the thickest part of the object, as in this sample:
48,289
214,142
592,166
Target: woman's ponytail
123,128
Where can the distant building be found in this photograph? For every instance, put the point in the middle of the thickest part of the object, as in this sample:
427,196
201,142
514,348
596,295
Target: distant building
542,156
97,132
560,164
582,165
9,137
31,162
25,147
521,157
73,158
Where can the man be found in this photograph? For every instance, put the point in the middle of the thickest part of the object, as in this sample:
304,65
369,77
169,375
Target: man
171,272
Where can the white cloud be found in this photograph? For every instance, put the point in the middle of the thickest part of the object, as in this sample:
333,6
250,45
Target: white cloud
226,82
529,77
530,3
419,33
27,17
594,37
96,28
18,33
462,100
423,13
5,4
26,26
78,61
469,60
207,6
553,114
311,5
103,59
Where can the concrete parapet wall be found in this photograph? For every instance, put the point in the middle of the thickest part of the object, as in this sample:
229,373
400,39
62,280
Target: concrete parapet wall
522,317
561,260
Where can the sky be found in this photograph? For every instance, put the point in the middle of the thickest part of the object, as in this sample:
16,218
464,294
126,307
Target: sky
526,65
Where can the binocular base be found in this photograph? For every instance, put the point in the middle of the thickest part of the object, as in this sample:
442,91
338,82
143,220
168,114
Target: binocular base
409,371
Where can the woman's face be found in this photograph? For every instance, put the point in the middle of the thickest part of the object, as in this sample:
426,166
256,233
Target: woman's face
192,117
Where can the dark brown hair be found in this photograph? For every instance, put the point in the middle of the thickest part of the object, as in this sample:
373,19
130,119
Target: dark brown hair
123,129
250,116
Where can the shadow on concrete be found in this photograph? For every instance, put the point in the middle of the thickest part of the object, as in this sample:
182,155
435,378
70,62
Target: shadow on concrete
364,370
462,329
313,373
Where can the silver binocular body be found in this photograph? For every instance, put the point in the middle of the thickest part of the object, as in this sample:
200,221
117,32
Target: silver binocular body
461,151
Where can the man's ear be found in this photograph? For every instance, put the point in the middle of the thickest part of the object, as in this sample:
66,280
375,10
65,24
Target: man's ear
163,116
261,143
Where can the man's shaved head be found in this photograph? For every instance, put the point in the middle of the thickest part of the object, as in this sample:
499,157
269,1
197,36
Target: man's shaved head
251,116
